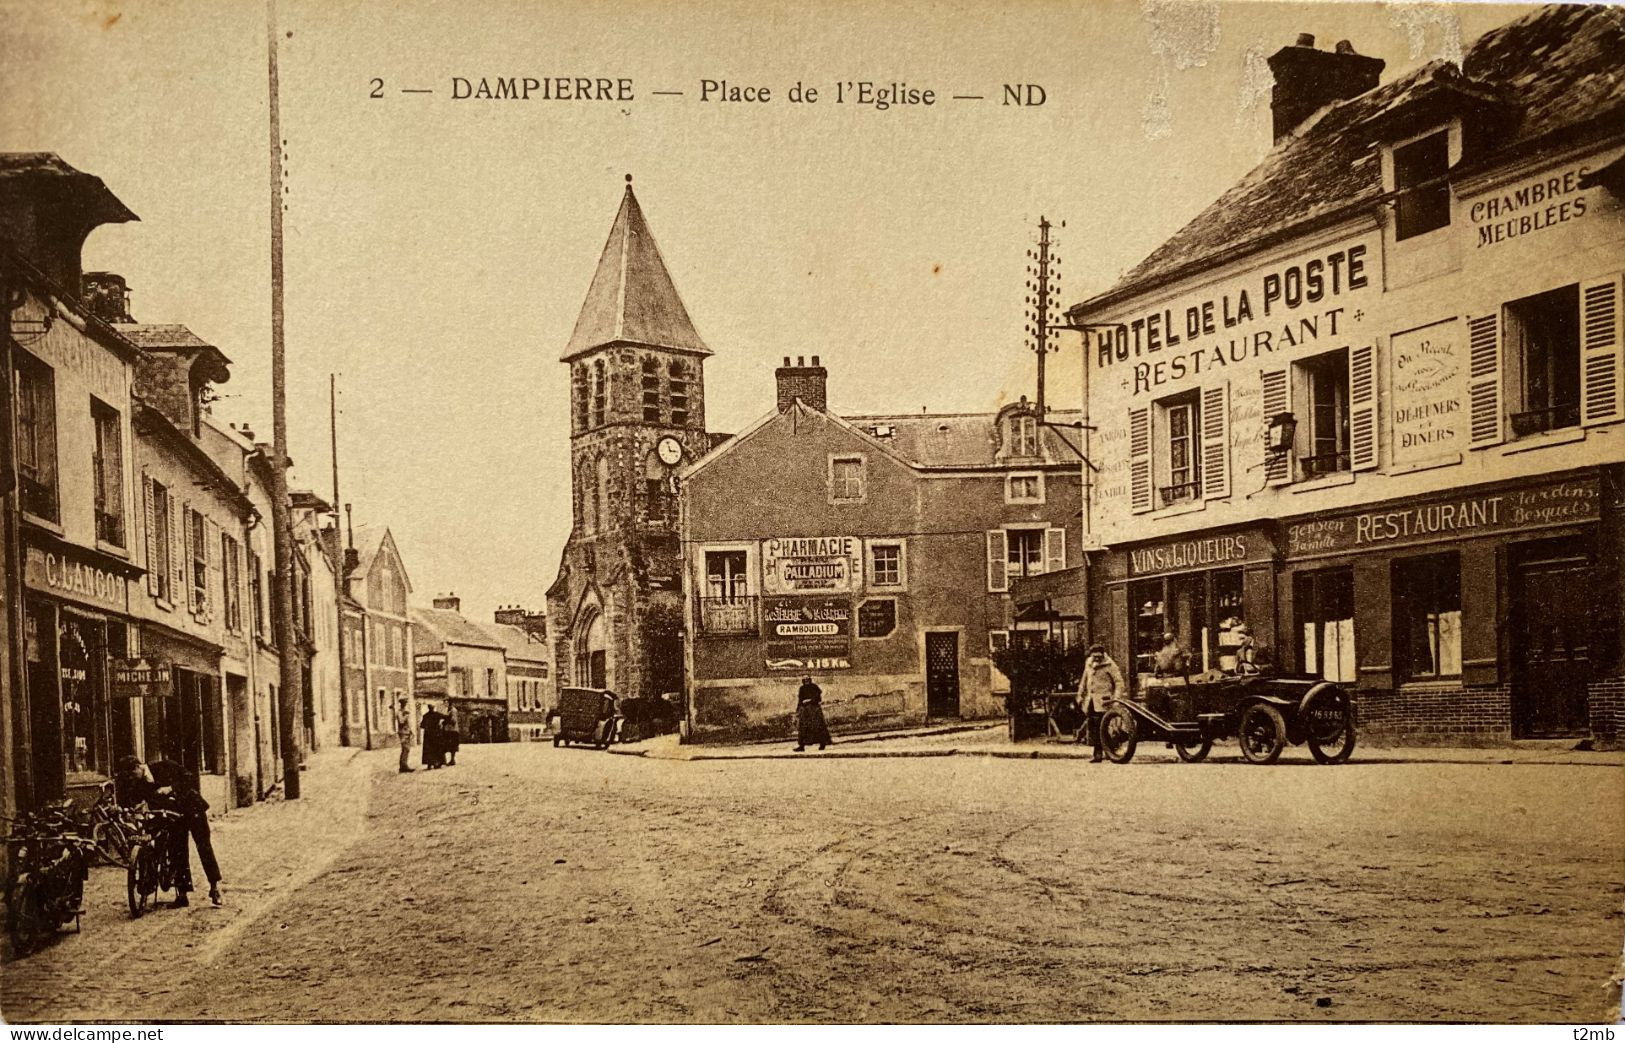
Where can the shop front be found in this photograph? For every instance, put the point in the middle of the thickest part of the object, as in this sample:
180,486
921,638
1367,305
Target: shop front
184,721
1206,589
76,627
1484,612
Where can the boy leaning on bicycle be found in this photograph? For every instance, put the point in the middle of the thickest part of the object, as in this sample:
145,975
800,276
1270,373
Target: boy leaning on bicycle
165,785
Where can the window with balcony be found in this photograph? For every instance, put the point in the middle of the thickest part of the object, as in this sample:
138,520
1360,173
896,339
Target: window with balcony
1181,471
1543,358
846,479
36,436
1421,184
108,463
728,606
1325,383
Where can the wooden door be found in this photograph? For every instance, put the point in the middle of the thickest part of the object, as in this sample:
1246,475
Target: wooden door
942,675
1551,632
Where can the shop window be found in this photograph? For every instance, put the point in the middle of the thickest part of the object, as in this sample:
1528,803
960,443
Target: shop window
36,436
677,374
886,564
108,464
600,394
1543,359
82,659
1324,381
1324,602
1024,488
1422,200
1023,435
1180,420
160,571
846,479
1427,617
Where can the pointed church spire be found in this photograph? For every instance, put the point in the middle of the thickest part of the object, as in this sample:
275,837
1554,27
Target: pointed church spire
632,297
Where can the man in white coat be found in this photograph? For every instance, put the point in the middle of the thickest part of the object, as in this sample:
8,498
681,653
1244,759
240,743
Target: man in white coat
1101,682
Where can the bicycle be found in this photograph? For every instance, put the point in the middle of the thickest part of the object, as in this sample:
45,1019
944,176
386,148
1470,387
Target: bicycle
152,865
112,827
46,888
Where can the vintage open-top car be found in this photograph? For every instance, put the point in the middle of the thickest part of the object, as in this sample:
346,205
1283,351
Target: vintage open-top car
1264,712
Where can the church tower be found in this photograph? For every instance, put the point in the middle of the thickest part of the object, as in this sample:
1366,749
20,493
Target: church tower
637,415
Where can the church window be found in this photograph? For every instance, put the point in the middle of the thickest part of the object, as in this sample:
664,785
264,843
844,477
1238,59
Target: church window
677,375
603,493
578,396
600,393
651,391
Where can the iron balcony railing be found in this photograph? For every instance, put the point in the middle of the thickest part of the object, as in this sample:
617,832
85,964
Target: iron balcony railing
1324,463
725,616
1172,494
1535,421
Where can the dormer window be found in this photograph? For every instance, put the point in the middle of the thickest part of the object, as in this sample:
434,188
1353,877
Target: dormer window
1023,439
1422,200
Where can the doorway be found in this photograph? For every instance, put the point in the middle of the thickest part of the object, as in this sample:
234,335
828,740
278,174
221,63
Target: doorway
1551,639
941,674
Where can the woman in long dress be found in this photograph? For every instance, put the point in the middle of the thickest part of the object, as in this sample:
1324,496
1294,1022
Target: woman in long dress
810,725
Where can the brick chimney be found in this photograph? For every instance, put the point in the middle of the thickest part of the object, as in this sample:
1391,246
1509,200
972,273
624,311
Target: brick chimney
801,381
511,616
534,624
1308,79
451,603
106,295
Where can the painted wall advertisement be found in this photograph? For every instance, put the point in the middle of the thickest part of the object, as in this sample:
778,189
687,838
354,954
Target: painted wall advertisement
810,564
1429,393
807,633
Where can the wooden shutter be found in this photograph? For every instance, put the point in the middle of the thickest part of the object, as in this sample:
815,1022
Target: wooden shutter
1139,459
998,576
216,581
1054,550
152,536
1601,366
1276,398
1363,407
179,553
1216,441
1486,422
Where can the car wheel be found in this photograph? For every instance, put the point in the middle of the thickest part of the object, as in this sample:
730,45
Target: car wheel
1118,735
1195,751
1262,734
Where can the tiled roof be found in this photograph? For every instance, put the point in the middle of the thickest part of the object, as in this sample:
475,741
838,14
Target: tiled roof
632,297
516,643
956,439
451,628
97,203
1559,67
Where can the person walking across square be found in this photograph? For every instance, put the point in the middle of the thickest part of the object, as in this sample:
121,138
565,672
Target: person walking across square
403,732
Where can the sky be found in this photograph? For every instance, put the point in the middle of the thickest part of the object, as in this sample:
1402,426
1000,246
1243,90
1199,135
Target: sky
438,249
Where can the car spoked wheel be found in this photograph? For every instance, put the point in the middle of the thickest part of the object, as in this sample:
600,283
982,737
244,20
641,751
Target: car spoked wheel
1118,735
1329,726
1262,734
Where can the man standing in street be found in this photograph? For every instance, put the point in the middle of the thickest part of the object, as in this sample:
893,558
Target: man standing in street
403,731
1101,682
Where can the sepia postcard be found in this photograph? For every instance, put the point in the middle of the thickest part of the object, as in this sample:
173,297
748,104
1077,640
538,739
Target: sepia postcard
1068,511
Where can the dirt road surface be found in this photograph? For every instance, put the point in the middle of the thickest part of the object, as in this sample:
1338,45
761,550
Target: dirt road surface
533,884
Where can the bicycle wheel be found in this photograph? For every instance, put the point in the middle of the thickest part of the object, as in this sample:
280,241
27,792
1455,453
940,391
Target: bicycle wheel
138,882
112,843
25,917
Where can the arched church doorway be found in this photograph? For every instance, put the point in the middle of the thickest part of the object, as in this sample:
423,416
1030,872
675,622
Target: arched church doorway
592,649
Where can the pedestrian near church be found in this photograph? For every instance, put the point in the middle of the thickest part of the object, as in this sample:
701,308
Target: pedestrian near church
433,740
1102,681
403,731
810,724
451,738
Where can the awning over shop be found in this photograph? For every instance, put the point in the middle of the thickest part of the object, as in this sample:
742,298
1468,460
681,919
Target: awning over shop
1052,595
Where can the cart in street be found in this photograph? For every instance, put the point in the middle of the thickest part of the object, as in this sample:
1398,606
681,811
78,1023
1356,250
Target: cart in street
586,715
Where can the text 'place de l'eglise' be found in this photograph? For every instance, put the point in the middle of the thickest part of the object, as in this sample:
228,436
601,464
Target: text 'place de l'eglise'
1362,418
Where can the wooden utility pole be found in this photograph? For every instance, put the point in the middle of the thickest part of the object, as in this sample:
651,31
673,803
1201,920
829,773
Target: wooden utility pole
293,681
341,578
1043,287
